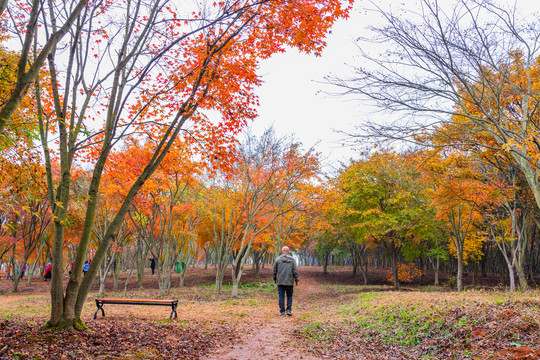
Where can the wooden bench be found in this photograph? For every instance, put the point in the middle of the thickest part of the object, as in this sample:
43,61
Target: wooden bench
172,303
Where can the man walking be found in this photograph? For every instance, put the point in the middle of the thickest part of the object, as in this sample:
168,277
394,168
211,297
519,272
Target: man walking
285,275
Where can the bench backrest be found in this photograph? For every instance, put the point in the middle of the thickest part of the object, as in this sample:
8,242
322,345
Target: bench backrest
149,301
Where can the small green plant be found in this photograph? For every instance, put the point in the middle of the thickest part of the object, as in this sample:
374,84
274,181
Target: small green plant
463,321
403,325
319,332
501,299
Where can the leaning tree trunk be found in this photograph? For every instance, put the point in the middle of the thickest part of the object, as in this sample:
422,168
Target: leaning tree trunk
237,266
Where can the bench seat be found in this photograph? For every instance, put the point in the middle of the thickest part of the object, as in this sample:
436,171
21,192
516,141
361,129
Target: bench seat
102,301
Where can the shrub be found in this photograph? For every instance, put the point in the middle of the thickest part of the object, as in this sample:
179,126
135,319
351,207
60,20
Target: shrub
407,273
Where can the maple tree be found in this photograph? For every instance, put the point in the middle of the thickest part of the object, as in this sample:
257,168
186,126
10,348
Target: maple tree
270,171
459,195
250,197
326,220
508,224
162,215
338,213
379,194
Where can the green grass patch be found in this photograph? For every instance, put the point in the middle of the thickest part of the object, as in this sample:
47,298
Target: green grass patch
318,331
402,325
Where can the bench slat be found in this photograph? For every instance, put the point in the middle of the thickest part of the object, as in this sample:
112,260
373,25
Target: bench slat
125,301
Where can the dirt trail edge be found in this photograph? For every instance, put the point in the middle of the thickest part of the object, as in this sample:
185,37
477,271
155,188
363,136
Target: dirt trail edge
274,339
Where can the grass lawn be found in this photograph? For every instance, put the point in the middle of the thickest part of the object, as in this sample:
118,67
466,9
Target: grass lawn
335,318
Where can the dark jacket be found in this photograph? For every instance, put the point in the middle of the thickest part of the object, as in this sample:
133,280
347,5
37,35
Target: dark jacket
285,270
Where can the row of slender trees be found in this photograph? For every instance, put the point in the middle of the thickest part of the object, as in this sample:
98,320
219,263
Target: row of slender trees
181,215
430,207
460,85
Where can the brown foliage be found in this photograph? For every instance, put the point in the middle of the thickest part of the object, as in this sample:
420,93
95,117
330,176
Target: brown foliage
112,339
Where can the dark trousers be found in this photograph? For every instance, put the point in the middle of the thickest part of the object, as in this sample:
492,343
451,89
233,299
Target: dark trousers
282,289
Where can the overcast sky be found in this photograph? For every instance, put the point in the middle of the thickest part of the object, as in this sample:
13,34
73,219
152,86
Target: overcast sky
294,100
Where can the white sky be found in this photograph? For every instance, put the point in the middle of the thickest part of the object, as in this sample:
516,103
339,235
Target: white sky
291,98
292,101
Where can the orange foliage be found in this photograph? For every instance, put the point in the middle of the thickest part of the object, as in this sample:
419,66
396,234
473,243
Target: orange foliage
460,196
407,273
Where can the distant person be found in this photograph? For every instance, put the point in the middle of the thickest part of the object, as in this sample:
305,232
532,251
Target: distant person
47,272
23,270
71,267
85,268
285,275
152,265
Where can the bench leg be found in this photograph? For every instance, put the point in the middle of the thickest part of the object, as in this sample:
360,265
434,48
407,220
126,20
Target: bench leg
99,307
174,311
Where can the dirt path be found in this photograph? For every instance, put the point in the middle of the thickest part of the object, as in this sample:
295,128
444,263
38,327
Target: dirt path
274,339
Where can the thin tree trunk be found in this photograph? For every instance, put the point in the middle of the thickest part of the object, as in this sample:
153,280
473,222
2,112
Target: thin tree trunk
127,280
395,275
236,275
436,270
459,279
33,266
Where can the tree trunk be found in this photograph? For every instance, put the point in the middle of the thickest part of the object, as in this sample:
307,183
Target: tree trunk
459,279
57,294
257,269
436,270
127,280
220,273
363,265
14,266
33,266
325,263
116,273
520,271
142,252
181,282
236,275
512,277
395,275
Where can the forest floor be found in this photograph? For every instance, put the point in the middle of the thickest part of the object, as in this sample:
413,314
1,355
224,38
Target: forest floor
335,317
